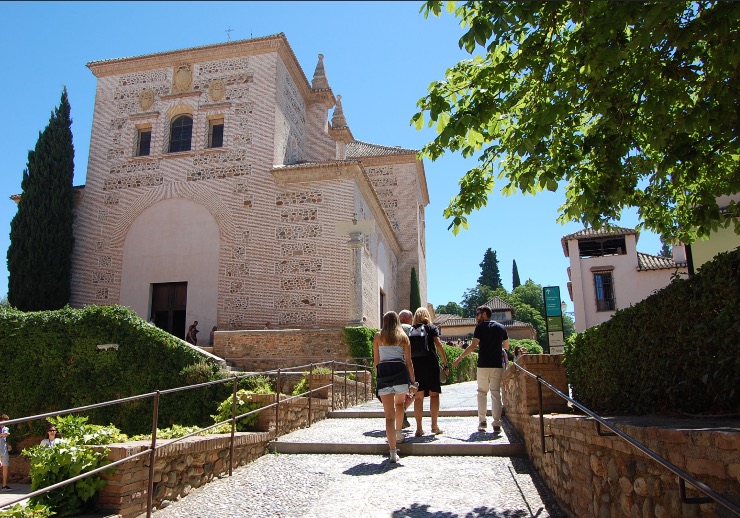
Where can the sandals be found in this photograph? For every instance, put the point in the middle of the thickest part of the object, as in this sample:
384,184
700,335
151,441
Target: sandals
437,431
419,433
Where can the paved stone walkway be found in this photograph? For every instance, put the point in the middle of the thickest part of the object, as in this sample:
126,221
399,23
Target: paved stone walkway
422,484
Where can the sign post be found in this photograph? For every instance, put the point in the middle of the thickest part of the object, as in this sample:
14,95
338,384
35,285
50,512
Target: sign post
554,320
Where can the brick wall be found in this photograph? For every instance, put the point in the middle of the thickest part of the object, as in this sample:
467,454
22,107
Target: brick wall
593,475
266,350
195,461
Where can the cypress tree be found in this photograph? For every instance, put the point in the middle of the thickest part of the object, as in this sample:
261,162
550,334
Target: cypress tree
515,276
39,256
490,275
415,299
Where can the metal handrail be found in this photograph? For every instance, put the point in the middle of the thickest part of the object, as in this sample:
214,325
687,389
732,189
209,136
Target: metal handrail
683,477
152,449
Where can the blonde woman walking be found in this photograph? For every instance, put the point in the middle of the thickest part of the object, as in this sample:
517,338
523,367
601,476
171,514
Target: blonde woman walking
392,361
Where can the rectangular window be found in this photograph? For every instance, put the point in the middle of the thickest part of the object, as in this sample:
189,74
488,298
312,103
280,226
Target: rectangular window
216,133
144,142
604,285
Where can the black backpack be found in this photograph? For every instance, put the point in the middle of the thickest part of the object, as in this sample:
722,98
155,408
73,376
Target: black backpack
419,342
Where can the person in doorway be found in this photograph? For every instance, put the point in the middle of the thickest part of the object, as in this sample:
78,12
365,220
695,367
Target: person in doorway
491,339
395,375
426,351
212,336
5,448
192,335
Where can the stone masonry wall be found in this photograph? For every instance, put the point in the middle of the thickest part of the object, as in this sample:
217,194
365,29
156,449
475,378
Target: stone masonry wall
195,461
600,476
266,350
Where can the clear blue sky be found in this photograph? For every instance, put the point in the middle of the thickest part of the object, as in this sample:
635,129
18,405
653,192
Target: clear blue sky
379,56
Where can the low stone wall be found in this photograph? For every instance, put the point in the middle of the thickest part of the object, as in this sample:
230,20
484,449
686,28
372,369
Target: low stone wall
600,476
272,349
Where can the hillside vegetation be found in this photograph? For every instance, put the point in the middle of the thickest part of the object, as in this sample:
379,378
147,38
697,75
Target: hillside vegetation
51,361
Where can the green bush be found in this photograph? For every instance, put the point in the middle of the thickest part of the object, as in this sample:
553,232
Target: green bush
463,371
68,459
676,351
51,362
244,404
359,342
532,346
27,511
173,432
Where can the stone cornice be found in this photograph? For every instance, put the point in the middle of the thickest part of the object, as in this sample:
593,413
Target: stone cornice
345,170
242,48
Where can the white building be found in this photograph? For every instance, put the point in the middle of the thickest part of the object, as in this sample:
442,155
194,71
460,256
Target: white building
221,189
607,272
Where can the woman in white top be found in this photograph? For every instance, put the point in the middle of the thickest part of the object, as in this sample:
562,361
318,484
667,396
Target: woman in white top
52,438
392,361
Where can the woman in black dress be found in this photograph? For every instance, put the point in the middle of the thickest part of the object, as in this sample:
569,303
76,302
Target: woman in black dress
426,350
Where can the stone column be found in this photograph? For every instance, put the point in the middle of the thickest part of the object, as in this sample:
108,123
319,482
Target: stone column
356,230
356,309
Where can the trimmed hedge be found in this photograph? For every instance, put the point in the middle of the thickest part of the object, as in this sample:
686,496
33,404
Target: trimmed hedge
676,351
51,362
360,341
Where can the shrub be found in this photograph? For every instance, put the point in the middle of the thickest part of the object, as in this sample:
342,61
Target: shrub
359,342
244,404
51,362
463,371
532,346
27,511
68,459
173,432
652,357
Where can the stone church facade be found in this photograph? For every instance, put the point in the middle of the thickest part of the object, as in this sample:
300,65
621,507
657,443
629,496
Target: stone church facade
220,189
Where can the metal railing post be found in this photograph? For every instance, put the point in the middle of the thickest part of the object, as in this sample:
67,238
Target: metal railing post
344,405
333,395
310,393
277,406
233,425
357,386
152,456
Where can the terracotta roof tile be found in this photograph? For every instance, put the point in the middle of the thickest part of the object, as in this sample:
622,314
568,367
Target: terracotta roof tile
358,149
656,262
497,304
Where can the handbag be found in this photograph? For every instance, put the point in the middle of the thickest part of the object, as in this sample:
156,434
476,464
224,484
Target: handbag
442,376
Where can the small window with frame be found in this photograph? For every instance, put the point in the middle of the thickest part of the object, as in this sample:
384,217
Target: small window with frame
216,132
143,141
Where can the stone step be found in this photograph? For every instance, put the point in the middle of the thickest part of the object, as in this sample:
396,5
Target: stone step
356,414
478,450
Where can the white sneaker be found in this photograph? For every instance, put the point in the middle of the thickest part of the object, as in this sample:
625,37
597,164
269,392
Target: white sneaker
394,456
399,437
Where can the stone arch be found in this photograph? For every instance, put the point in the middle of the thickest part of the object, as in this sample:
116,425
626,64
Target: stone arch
173,240
189,191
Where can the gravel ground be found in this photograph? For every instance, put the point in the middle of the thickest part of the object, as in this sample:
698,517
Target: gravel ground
322,485
361,485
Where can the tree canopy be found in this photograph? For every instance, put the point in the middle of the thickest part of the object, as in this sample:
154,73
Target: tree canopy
489,272
451,308
624,104
41,239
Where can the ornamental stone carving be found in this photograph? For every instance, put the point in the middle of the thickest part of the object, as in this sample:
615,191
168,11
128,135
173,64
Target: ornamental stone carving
216,90
146,99
182,79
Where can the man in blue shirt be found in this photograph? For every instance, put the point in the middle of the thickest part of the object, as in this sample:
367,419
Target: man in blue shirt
492,339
